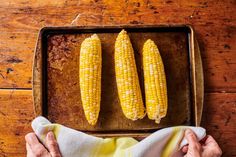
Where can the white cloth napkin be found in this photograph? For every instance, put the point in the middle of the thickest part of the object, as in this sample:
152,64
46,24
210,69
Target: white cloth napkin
162,143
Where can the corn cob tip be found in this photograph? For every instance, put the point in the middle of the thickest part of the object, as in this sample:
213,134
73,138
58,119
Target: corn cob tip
94,36
92,122
122,36
149,41
157,120
122,32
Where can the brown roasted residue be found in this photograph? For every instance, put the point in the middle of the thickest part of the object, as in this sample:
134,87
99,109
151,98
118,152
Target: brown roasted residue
59,48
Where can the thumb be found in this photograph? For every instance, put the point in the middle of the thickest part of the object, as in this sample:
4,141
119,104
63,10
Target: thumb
194,147
52,145
191,137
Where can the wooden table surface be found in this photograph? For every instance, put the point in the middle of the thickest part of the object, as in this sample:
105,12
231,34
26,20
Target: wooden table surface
214,22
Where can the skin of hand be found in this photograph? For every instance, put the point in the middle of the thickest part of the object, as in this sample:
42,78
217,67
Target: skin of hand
205,148
36,149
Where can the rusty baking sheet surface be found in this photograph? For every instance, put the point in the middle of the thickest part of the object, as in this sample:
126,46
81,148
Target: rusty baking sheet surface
56,77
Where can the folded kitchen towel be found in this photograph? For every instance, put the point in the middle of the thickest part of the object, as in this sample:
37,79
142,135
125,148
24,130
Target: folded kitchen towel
162,143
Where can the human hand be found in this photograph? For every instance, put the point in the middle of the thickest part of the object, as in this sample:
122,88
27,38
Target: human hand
36,149
205,148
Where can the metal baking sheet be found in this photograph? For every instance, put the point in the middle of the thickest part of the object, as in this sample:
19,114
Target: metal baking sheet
56,77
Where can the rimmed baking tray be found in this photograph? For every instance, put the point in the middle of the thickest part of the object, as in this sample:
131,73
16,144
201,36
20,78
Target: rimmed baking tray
56,88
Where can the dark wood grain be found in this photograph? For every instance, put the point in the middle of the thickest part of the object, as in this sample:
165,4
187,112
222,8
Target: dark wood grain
219,119
16,115
16,54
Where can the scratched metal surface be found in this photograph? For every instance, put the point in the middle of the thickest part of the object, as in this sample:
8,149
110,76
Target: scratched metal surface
63,91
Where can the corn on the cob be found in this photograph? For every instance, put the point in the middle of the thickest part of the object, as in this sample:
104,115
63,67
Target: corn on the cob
90,77
127,78
154,81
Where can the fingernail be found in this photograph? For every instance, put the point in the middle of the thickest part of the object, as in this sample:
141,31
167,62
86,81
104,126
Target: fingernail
50,135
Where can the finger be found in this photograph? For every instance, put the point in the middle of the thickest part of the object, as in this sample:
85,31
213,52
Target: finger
185,149
190,136
210,140
27,147
31,138
52,145
210,143
29,151
36,147
194,145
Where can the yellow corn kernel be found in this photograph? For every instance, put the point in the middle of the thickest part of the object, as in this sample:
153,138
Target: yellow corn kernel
154,81
90,66
127,78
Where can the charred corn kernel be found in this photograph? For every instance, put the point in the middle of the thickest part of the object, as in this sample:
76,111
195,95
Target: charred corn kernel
154,81
90,77
127,78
